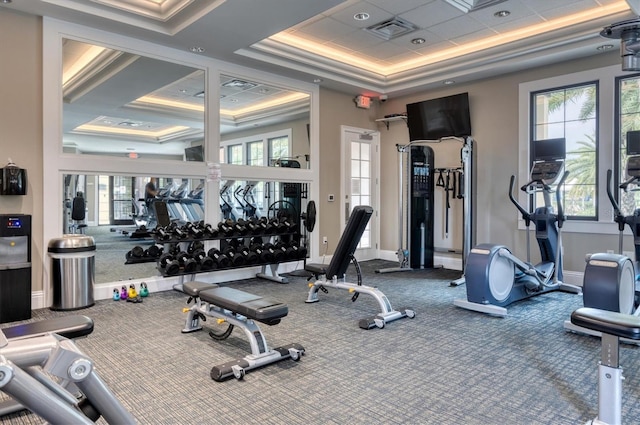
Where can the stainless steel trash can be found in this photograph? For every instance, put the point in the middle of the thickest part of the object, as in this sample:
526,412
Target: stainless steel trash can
72,271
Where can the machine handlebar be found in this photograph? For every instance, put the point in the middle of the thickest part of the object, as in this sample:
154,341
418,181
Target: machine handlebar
560,217
617,214
526,216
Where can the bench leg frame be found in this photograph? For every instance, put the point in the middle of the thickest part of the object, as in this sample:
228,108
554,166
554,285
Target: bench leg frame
261,354
387,314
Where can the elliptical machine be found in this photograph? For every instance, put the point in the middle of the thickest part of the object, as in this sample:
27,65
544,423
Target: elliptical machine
494,276
611,280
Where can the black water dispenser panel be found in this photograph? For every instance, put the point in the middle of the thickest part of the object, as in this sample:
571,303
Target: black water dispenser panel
15,267
13,180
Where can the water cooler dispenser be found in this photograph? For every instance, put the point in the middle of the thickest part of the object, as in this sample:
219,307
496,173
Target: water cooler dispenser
15,267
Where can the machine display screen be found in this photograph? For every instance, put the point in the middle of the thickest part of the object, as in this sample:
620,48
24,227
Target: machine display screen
14,223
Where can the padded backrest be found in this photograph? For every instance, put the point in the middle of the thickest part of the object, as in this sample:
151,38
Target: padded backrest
349,241
162,213
78,208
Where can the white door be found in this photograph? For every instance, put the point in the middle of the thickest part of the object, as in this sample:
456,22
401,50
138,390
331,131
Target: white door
360,187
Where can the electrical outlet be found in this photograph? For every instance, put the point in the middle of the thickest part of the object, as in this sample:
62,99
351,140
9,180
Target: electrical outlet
324,240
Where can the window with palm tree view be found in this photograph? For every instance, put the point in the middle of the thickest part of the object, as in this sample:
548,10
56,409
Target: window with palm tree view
628,113
571,112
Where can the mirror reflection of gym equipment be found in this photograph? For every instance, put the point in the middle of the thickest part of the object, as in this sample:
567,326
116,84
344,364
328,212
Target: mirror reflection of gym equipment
495,277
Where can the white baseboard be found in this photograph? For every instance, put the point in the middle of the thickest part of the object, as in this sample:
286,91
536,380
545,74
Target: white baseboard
446,261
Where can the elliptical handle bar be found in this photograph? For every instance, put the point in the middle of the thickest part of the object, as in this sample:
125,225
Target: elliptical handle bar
526,216
561,217
617,214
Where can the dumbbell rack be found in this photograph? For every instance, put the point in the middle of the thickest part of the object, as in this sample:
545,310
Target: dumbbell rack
269,268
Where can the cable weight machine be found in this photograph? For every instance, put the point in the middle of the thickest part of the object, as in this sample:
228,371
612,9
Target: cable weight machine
417,195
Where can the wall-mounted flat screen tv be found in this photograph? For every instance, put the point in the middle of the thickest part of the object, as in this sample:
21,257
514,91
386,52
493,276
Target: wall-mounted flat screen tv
194,153
437,118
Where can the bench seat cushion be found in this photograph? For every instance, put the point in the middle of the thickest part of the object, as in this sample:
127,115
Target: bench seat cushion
608,322
316,269
249,305
68,327
194,288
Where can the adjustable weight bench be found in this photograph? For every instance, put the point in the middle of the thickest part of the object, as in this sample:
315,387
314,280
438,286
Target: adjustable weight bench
45,372
329,275
612,326
241,309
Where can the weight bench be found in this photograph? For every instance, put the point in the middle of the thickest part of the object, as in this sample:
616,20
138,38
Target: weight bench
328,275
45,372
612,326
241,309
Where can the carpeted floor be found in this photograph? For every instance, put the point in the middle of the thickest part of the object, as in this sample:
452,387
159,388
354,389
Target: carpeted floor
446,366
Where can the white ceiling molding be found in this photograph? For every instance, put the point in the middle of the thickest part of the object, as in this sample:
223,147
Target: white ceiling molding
180,16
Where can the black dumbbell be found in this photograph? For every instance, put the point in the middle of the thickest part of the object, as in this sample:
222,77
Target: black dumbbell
264,255
237,259
290,249
135,253
221,259
194,246
210,231
169,264
180,233
250,257
224,229
186,262
279,255
194,231
154,251
162,234
206,262
277,226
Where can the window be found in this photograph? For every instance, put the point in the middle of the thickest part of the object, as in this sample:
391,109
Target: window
278,148
628,114
234,155
571,112
259,150
255,153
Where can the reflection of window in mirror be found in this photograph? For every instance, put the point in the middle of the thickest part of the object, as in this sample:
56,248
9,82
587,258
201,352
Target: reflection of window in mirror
261,123
125,105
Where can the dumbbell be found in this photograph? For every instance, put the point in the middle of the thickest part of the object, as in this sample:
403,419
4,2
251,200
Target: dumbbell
154,251
302,251
210,231
162,234
180,233
238,227
186,262
264,255
251,257
221,259
206,262
237,259
134,253
169,264
277,226
290,249
279,255
225,229
194,246
194,231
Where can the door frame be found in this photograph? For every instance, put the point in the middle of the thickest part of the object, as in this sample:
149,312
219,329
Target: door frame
373,252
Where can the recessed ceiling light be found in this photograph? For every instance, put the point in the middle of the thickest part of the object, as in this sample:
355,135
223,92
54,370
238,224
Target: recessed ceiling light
418,40
361,16
197,49
263,90
6,1
317,80
605,47
448,82
502,13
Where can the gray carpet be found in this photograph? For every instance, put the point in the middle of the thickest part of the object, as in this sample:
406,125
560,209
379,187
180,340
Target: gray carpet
446,366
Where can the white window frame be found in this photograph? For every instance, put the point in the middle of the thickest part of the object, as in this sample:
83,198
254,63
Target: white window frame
265,137
606,78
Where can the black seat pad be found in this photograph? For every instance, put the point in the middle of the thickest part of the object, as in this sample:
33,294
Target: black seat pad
194,288
608,322
316,269
68,327
249,305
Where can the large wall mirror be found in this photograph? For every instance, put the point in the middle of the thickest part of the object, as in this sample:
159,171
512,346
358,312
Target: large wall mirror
129,118
126,105
263,124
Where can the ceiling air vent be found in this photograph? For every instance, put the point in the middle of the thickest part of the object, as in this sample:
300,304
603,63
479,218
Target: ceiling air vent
470,5
392,28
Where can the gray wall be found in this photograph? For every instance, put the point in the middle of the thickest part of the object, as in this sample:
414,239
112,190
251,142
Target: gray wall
21,121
